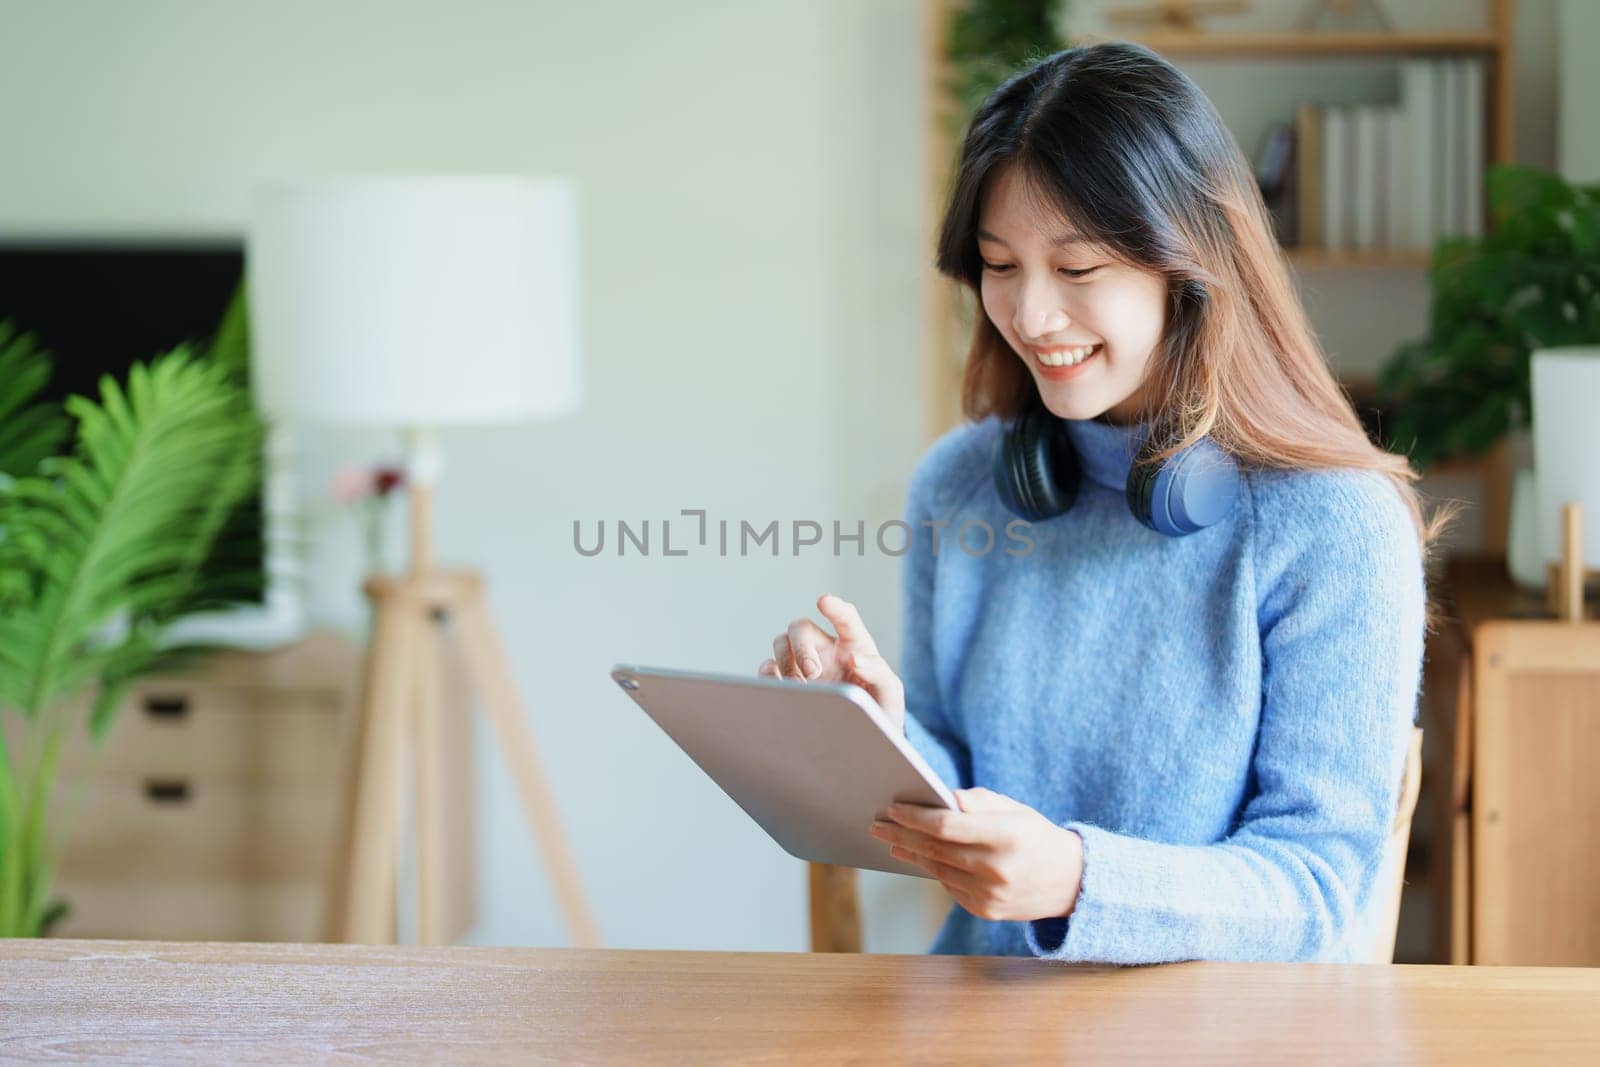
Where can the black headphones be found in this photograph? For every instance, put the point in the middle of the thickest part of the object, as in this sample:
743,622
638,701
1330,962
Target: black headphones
1037,474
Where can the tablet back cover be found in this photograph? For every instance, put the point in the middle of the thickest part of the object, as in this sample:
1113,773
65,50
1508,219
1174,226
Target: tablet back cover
813,763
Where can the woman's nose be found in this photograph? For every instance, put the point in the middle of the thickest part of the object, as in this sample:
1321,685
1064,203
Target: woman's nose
1035,323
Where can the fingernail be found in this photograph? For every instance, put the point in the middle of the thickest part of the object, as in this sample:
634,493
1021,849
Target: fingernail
810,667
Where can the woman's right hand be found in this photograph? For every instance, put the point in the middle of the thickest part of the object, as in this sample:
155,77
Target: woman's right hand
808,653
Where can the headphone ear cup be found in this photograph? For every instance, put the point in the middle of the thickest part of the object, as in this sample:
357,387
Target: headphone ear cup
1141,481
1189,492
1036,471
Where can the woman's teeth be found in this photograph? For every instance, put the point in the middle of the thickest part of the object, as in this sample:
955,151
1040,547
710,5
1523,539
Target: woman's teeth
1067,357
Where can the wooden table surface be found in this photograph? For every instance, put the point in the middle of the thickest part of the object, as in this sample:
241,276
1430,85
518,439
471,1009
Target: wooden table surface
216,1003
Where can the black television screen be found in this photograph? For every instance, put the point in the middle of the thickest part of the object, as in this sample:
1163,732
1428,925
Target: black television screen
98,308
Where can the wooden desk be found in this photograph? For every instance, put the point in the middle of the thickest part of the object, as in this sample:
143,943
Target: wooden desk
207,1003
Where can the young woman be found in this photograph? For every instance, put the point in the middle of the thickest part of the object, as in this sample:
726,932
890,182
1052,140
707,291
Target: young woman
1176,699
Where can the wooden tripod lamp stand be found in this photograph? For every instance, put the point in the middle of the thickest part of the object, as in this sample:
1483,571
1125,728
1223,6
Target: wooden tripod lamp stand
414,304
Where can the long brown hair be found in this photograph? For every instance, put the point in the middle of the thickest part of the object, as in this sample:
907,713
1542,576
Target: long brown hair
1131,152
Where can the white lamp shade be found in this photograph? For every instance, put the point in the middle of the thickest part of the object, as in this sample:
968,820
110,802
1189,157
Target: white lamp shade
425,301
1566,444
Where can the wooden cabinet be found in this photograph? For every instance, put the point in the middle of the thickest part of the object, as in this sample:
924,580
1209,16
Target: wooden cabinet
1512,836
1535,796
213,811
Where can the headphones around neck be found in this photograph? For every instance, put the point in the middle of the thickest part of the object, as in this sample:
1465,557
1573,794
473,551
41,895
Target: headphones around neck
1037,474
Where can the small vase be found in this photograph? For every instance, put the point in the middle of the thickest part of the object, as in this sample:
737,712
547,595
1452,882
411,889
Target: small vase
1524,549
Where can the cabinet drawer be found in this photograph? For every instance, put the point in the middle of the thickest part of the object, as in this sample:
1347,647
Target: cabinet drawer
292,738
150,830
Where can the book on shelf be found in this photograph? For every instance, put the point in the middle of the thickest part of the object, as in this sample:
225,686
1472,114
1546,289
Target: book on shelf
1398,177
1367,166
1474,128
1308,175
1336,191
1275,177
1447,148
1397,180
1417,102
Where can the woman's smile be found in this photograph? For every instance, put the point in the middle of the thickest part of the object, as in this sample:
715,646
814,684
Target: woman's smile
1068,363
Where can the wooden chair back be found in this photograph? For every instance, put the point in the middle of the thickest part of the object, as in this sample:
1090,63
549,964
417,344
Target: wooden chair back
1392,875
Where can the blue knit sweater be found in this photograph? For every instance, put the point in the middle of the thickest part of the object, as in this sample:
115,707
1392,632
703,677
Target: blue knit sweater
1221,717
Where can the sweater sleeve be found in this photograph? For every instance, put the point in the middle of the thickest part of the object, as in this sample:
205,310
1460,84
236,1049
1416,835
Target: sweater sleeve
927,727
1340,611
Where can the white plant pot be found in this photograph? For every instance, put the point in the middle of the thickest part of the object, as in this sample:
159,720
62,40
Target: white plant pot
1566,444
1524,553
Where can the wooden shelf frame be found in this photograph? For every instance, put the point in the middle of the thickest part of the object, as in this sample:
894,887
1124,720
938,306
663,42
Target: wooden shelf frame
1376,258
1332,45
1493,42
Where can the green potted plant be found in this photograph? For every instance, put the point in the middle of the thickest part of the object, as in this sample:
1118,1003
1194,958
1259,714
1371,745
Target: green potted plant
989,40
101,547
1533,281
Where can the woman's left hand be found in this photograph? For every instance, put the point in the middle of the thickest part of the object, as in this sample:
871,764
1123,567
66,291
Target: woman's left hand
998,858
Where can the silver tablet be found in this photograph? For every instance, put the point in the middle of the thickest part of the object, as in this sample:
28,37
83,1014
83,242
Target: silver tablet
812,762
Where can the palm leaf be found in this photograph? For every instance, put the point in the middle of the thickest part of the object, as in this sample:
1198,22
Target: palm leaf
119,528
230,348
227,567
29,431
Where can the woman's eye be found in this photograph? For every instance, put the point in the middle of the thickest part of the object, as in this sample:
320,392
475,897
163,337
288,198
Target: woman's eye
1002,268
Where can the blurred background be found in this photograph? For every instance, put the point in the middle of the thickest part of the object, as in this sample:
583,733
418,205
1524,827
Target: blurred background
762,337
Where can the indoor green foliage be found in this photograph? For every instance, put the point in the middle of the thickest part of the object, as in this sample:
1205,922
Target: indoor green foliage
233,572
99,550
990,40
29,431
1532,282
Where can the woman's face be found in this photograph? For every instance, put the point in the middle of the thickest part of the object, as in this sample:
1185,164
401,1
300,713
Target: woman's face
1053,298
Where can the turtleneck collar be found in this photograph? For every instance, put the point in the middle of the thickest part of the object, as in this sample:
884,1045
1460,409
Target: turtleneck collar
1105,449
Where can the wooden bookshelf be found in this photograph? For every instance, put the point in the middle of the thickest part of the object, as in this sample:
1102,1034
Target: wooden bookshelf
1377,258
1492,42
1332,45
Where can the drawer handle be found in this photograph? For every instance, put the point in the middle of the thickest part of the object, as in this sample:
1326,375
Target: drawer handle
166,790
166,707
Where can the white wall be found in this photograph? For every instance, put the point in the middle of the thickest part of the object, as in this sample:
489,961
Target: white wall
749,273
1580,89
